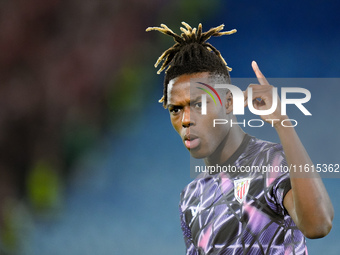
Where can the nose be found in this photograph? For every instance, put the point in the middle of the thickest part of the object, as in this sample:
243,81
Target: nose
186,120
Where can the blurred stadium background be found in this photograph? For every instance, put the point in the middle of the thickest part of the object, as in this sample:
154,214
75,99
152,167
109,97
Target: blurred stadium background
89,163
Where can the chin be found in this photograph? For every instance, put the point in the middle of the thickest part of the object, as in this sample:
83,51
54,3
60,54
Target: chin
197,154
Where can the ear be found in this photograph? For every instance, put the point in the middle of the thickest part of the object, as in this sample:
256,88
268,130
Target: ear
229,102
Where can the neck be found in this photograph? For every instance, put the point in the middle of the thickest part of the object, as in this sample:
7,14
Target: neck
227,148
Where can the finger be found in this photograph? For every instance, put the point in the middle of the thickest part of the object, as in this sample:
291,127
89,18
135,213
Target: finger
260,77
259,92
245,94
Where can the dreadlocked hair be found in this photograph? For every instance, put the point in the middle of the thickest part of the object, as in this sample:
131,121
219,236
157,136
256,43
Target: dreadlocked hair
190,54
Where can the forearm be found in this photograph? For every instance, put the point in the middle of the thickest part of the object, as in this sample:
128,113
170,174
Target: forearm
310,201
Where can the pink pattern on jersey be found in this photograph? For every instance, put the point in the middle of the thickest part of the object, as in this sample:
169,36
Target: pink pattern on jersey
272,174
288,251
204,239
226,183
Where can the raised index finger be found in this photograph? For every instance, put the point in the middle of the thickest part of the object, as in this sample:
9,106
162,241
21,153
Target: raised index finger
260,77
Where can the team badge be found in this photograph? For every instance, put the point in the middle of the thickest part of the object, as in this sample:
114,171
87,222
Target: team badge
241,188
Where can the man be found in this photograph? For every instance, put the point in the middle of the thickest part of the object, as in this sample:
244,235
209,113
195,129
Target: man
237,212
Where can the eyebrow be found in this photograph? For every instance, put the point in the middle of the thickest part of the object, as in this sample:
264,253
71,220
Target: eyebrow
171,105
196,99
180,105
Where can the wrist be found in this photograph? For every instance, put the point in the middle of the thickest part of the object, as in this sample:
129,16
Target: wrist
282,123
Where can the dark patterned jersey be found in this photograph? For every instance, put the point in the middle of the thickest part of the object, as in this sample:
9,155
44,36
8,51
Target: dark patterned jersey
242,212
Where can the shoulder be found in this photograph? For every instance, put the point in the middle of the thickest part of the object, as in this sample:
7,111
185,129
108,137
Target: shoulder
263,145
196,185
197,190
261,152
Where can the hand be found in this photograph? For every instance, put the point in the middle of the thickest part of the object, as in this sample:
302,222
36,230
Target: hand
262,97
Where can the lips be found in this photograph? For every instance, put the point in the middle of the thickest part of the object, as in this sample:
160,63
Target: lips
191,141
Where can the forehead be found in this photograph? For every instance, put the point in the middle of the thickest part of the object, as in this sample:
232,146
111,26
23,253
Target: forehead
179,88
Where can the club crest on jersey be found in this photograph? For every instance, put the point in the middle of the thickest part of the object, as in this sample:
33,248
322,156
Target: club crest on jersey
241,188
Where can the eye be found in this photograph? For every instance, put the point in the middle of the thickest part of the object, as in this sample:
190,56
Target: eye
174,110
198,105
